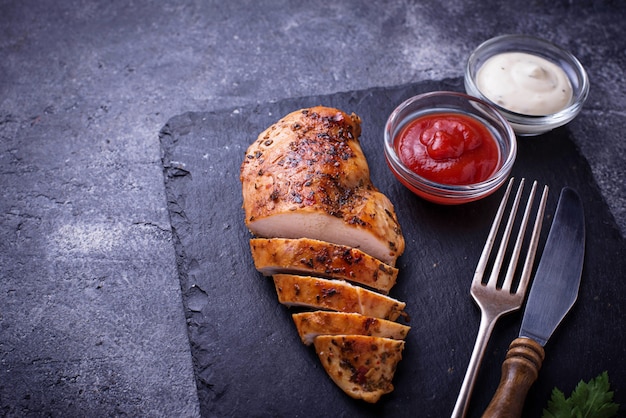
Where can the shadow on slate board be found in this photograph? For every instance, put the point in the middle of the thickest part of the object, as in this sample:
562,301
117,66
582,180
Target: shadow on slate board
247,357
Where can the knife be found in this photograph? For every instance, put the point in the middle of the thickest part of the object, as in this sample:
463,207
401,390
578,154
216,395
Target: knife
553,293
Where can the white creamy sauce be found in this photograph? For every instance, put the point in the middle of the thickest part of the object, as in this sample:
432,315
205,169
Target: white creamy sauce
524,83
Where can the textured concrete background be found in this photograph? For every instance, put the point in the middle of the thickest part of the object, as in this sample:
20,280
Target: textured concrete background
91,320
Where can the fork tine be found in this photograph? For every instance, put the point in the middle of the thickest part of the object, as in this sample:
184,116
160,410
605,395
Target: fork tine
491,238
510,273
534,241
495,272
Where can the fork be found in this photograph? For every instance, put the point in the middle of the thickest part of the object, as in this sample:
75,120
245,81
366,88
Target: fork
493,300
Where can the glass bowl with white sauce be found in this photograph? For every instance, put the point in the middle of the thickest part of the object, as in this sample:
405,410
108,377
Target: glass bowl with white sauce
537,85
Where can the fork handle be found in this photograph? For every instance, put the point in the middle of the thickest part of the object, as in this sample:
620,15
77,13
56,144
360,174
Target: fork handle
519,371
487,322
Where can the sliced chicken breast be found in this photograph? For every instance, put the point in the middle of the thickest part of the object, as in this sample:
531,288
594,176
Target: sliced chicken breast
362,366
335,295
313,324
307,176
319,258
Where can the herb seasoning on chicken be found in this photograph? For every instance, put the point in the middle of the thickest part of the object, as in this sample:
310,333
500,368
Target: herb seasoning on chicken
307,177
318,223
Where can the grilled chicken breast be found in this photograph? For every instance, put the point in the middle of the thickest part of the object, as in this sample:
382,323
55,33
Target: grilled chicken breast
335,295
307,176
319,222
319,258
313,324
362,366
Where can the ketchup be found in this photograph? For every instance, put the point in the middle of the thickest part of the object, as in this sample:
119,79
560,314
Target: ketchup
448,148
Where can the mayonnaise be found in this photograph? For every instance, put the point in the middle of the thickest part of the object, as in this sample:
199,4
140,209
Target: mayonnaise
524,83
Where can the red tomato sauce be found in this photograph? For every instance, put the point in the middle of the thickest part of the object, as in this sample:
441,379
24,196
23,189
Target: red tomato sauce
448,148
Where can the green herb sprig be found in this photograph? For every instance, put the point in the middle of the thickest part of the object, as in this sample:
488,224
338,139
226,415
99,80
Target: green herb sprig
588,400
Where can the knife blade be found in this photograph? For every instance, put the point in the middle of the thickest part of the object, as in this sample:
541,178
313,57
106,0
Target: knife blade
553,292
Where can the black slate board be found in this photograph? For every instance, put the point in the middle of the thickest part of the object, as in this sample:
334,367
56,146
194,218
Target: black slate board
247,357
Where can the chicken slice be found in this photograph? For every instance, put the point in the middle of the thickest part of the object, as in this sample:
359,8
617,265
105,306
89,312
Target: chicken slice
319,258
313,324
307,176
362,366
335,295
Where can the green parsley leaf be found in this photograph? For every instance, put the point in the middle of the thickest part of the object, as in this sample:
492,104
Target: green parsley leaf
588,400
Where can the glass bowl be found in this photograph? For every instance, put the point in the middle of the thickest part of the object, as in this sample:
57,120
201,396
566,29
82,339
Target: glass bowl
525,124
457,103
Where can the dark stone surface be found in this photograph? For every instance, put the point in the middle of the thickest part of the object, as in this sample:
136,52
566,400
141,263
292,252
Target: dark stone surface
91,314
244,344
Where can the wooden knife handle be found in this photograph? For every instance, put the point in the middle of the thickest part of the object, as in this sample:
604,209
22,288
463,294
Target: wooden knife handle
519,371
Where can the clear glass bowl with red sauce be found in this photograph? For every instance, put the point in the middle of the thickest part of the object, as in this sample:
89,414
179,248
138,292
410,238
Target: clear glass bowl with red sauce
449,148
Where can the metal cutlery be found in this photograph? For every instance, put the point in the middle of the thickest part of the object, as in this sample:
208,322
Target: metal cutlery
553,293
492,299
